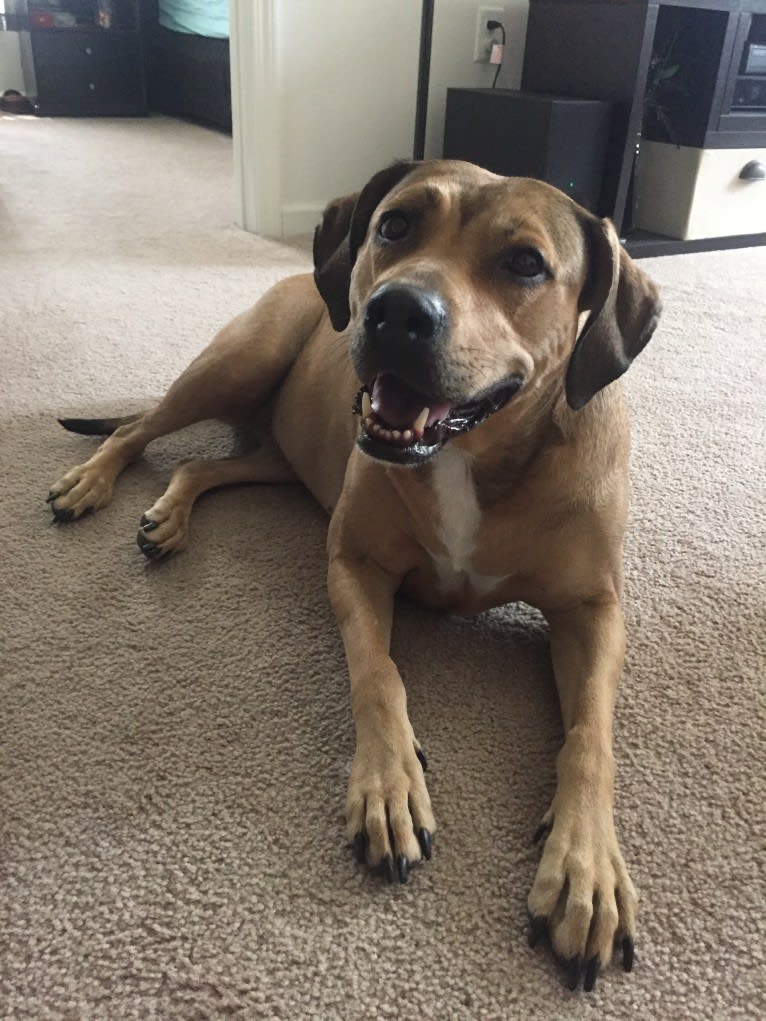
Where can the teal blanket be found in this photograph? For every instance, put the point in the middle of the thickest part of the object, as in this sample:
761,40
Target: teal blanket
196,17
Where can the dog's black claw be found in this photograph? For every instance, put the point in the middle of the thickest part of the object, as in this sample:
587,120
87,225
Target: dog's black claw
421,758
61,517
538,929
147,524
51,497
592,969
387,868
403,868
573,968
149,549
425,840
628,953
360,848
542,831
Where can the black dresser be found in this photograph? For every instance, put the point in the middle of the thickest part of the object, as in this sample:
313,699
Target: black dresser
87,58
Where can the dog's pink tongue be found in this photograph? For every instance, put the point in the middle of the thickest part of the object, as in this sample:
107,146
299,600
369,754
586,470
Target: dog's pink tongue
399,405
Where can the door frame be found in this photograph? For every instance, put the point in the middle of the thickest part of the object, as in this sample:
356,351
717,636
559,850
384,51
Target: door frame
255,116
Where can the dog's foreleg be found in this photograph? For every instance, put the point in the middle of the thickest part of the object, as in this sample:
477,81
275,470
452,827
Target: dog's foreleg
388,809
582,893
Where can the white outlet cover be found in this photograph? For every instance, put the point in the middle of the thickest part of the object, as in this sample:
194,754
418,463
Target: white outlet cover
485,38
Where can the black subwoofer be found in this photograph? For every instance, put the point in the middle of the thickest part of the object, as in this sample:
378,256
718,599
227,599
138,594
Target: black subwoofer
526,134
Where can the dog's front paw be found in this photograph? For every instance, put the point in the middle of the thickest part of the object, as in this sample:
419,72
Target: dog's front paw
388,810
582,897
82,490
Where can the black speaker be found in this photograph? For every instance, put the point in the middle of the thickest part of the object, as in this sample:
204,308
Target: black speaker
527,134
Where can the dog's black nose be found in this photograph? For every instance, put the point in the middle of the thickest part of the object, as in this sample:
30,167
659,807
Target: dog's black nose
400,312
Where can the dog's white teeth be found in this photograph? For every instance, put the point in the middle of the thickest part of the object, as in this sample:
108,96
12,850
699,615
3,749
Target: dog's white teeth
399,436
378,430
366,405
420,421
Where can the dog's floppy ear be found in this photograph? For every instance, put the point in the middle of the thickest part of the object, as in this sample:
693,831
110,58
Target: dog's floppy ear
339,236
624,309
332,259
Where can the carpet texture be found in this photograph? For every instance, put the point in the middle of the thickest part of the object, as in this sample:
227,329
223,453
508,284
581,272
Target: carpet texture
176,738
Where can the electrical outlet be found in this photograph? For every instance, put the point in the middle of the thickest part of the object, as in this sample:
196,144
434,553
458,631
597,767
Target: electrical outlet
484,37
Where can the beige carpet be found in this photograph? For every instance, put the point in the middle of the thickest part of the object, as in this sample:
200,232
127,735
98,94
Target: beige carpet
176,738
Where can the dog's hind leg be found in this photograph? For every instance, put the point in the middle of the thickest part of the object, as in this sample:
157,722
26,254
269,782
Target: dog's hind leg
165,526
235,375
89,486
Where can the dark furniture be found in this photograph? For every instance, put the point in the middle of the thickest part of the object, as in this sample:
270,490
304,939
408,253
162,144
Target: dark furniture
125,64
518,134
616,50
187,75
84,66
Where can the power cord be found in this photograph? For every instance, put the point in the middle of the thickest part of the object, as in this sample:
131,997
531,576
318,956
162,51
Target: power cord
491,26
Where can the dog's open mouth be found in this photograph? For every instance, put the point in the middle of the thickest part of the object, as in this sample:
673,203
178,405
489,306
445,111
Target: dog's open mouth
405,427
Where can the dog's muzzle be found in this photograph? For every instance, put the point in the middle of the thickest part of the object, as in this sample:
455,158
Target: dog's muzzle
406,417
404,330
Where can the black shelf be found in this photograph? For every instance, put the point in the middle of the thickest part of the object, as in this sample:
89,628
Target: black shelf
122,15
609,49
642,244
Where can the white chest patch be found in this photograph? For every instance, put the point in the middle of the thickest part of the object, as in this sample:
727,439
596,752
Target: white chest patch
459,523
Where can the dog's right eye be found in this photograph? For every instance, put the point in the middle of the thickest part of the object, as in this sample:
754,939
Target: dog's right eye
526,263
393,226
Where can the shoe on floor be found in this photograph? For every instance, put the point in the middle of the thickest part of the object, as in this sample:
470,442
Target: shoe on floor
12,101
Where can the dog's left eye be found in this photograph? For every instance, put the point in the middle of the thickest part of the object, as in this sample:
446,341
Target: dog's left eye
393,226
527,263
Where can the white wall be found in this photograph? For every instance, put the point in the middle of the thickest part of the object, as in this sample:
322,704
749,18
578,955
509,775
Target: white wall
348,80
11,76
339,101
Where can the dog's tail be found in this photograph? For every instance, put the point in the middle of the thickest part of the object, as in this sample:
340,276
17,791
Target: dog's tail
96,426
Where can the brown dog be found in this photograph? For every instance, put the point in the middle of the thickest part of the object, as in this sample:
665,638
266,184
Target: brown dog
484,317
